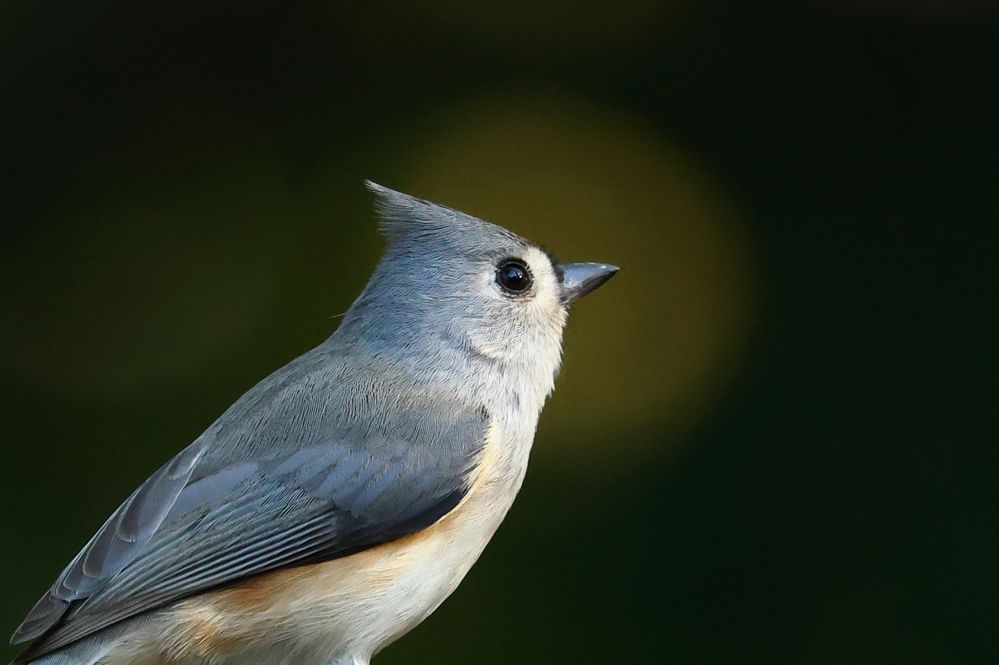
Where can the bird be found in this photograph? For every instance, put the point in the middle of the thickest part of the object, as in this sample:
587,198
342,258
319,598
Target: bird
337,503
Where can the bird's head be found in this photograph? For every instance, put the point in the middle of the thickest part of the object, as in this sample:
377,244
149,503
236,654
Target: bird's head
453,280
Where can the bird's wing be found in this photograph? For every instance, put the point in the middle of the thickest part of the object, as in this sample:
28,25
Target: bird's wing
186,530
122,537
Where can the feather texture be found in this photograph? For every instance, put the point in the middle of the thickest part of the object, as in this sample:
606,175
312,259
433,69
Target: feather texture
304,489
388,455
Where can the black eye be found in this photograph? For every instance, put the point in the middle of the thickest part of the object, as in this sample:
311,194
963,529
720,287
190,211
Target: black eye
514,276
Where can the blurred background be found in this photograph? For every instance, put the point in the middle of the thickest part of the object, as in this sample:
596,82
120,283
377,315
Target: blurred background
774,439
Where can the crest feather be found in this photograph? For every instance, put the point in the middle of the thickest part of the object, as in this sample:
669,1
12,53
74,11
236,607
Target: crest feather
401,215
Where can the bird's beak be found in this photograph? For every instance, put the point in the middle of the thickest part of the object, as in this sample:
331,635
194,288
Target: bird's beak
578,279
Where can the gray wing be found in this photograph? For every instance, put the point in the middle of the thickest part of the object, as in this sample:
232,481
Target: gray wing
198,523
116,543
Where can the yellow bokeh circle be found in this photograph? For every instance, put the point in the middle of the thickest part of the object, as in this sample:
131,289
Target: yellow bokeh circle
649,354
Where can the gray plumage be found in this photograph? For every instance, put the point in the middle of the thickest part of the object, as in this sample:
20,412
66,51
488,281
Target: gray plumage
372,436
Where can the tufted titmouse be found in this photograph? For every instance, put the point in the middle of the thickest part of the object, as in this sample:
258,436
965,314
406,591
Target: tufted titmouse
336,504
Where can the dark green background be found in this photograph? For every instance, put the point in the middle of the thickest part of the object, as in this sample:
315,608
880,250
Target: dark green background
182,213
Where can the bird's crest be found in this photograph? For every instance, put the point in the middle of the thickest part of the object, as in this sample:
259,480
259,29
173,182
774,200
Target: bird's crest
404,216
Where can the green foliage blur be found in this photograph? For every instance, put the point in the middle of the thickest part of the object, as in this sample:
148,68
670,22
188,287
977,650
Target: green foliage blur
774,438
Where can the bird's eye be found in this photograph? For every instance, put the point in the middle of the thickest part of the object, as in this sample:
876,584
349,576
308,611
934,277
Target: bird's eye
514,276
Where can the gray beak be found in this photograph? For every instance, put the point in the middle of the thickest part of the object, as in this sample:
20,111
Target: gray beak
578,279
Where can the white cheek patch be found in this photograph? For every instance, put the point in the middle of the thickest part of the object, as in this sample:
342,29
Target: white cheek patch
525,333
547,297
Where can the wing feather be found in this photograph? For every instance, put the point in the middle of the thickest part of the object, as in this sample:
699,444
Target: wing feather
229,507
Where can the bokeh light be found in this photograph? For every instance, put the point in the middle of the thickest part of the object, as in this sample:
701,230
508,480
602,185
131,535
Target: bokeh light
772,440
661,342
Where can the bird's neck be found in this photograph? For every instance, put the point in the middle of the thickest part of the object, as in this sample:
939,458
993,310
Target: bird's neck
438,361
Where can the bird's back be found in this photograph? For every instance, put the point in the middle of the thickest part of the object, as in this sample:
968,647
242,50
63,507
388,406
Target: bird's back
328,456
